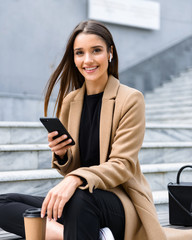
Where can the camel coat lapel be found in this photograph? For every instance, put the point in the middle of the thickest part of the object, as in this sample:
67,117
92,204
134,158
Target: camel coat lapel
74,120
106,117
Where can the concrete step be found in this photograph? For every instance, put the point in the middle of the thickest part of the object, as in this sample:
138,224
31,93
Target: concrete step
38,156
22,107
166,91
165,152
160,199
22,133
33,182
170,98
170,121
182,82
159,175
8,236
39,182
156,132
169,110
183,85
168,117
172,102
162,105
25,156
171,118
33,132
182,79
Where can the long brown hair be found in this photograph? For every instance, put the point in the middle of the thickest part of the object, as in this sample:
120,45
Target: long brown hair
66,72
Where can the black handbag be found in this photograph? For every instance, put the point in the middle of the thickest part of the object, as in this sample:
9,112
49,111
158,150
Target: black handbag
180,201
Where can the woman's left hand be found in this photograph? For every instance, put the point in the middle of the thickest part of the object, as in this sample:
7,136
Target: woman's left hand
58,196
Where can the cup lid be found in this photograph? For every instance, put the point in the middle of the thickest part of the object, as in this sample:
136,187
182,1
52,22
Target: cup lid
32,212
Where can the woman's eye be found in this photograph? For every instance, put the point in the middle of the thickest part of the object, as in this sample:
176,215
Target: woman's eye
96,50
78,52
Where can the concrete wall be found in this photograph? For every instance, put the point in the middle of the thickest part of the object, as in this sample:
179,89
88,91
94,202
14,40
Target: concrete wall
33,36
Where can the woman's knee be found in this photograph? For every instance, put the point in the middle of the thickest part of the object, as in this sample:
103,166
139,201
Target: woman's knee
81,202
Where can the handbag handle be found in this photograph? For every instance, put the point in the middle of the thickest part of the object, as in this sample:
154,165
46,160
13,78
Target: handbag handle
180,170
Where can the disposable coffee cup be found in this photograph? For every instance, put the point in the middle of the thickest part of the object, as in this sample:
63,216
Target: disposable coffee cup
35,226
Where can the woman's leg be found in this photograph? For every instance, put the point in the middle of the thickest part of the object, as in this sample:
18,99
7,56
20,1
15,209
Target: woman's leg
83,216
86,213
12,207
54,230
112,212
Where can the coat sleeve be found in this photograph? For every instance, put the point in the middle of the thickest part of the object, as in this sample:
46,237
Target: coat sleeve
65,167
123,158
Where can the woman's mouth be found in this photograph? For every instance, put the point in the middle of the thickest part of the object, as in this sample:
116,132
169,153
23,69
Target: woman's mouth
90,69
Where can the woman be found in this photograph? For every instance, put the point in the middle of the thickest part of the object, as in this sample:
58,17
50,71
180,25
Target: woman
103,185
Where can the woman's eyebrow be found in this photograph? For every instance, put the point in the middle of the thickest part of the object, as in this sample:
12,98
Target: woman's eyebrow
97,46
76,49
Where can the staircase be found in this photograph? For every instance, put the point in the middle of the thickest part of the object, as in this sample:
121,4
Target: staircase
25,158
172,102
168,140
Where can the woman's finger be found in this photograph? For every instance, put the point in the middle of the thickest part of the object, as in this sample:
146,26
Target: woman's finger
52,135
61,145
44,205
50,206
57,141
55,209
60,207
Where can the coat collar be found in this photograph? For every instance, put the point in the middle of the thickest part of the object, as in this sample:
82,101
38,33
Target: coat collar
106,117
110,90
112,86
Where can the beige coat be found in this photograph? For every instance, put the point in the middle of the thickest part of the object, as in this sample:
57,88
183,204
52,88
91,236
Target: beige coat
122,127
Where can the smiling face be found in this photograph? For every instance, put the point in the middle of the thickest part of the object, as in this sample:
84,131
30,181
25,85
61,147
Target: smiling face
91,58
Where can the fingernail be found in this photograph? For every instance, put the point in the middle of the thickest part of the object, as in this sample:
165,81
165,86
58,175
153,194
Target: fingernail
42,216
49,219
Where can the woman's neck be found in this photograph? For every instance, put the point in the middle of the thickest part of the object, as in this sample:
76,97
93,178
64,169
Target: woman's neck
95,87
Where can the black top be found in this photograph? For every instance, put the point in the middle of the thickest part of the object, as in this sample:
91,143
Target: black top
89,130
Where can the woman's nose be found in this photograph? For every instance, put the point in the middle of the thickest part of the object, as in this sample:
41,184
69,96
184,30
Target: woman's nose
88,58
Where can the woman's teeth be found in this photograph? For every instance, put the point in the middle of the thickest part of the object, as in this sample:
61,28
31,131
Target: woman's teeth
89,69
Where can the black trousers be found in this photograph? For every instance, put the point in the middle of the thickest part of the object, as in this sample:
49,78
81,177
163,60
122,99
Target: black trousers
83,215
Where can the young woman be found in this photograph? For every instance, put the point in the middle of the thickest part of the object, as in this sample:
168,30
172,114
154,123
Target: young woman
103,186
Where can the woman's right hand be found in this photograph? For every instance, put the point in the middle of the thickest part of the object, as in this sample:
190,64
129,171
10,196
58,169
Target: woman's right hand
57,146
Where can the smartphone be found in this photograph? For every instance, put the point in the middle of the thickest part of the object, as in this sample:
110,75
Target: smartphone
54,124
